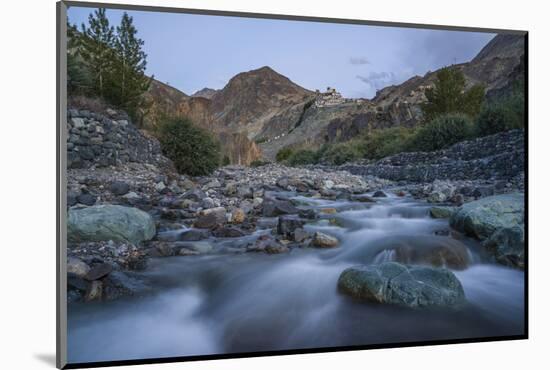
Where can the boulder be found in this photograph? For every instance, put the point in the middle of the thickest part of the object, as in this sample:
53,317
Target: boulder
211,218
441,212
322,240
227,232
410,286
299,235
119,188
194,235
481,218
287,224
98,271
77,267
276,207
87,199
379,194
507,245
109,222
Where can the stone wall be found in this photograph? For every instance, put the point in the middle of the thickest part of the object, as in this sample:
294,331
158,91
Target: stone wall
499,156
109,139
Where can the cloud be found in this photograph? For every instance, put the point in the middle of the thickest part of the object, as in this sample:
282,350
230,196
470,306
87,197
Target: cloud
358,61
378,80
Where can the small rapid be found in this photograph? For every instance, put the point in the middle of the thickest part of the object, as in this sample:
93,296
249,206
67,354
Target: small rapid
243,302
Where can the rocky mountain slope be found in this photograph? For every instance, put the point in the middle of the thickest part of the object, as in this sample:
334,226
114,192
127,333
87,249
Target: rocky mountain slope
264,111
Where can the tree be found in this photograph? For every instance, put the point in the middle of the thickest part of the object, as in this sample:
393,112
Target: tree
96,48
129,79
449,95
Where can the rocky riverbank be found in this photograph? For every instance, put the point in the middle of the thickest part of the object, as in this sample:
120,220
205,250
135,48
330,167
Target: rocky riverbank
125,209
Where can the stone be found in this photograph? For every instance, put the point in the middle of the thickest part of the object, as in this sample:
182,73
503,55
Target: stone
194,235
227,232
322,240
164,249
77,267
287,224
329,211
275,207
195,195
119,188
210,218
160,186
300,235
94,292
274,247
238,216
328,184
308,213
507,245
87,199
481,218
109,222
362,198
397,284
78,122
379,194
200,247
99,271
441,212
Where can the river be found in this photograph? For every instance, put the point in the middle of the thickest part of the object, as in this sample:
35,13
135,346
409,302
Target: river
229,303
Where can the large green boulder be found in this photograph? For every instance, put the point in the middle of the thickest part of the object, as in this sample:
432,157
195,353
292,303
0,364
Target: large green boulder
507,245
109,222
411,286
481,218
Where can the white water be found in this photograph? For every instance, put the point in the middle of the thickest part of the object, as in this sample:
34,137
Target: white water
254,302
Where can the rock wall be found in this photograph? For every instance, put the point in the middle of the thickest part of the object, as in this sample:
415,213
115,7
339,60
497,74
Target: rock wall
110,139
498,156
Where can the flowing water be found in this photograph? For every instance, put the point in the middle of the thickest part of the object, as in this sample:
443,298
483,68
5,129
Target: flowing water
230,303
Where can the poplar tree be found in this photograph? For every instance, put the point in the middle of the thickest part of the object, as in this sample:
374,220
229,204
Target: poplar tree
96,49
129,79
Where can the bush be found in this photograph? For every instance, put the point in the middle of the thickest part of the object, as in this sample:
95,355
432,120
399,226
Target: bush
442,132
384,142
341,153
506,114
284,154
193,150
302,157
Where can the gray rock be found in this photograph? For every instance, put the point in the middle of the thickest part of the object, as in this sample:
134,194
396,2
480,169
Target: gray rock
379,194
210,218
507,245
276,207
441,212
287,224
194,235
300,235
411,286
481,218
109,222
86,199
119,188
99,271
77,267
200,247
94,292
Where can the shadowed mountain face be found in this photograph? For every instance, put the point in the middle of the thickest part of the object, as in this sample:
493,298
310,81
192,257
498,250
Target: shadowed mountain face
264,106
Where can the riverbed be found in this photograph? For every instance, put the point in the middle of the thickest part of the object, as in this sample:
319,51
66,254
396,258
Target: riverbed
227,302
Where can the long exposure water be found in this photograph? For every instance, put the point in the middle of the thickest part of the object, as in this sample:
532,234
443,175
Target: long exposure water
229,303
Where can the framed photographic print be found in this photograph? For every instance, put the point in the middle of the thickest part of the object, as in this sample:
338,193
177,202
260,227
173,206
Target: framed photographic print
236,185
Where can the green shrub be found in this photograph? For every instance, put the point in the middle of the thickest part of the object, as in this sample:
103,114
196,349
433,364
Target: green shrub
340,153
193,150
442,132
492,119
503,115
384,142
284,154
302,157
226,161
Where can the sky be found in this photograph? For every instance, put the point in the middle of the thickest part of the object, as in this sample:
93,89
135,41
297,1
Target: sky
190,52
